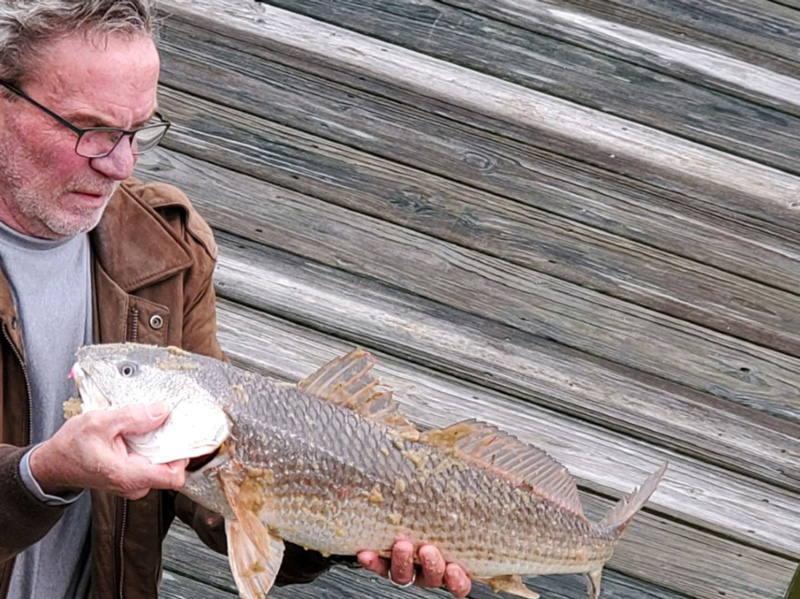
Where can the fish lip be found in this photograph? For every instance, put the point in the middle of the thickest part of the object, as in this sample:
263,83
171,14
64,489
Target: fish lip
91,396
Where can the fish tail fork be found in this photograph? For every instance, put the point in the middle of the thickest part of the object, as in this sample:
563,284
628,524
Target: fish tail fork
623,512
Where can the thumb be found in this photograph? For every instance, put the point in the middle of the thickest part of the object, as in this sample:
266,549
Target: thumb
136,420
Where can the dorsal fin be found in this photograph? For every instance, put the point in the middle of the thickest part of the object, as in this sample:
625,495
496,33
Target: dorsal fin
525,465
348,381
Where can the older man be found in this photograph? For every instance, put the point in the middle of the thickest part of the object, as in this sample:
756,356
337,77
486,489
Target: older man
89,254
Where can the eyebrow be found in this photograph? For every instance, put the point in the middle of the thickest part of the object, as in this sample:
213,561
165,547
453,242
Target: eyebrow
98,121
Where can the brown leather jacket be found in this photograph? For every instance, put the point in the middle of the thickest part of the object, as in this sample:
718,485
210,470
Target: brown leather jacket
152,262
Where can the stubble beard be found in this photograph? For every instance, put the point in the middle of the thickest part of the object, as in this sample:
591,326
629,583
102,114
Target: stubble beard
35,205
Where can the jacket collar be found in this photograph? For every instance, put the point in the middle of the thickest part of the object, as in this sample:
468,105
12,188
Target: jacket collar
133,244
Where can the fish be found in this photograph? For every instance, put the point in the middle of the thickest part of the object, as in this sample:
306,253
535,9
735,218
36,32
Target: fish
332,464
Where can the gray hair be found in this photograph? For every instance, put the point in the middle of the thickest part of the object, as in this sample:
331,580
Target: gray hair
27,25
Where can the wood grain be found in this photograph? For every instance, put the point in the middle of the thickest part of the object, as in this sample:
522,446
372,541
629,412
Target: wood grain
773,28
739,48
196,62
538,304
602,80
520,234
542,120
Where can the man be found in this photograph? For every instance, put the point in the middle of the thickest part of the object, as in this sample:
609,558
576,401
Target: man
89,254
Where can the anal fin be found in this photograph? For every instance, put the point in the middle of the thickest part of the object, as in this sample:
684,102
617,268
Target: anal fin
593,579
255,553
512,585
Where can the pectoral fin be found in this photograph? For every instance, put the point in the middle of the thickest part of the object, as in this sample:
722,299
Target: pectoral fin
512,585
255,552
253,571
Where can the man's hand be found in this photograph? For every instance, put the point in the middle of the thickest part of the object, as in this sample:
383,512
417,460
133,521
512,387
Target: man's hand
434,571
88,452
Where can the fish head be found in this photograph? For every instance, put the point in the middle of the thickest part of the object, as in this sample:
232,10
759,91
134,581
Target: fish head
113,376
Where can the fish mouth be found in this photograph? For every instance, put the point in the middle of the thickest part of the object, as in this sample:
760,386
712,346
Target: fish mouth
91,396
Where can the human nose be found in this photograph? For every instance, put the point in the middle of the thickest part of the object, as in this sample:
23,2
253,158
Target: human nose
118,165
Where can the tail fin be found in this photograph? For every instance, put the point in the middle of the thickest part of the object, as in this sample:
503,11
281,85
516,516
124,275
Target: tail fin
621,514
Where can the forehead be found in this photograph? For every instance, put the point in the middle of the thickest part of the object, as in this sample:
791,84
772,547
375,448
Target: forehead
115,75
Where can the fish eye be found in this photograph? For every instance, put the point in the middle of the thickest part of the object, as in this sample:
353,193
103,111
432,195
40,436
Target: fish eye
128,369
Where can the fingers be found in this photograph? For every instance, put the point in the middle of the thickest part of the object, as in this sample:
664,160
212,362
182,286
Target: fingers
87,453
433,567
457,581
135,420
370,560
434,571
402,566
136,472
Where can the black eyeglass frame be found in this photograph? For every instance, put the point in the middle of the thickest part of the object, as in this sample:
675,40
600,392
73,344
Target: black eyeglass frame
80,132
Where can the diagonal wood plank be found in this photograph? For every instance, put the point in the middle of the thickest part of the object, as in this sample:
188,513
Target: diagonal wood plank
772,27
637,338
545,121
600,80
519,234
195,61
730,46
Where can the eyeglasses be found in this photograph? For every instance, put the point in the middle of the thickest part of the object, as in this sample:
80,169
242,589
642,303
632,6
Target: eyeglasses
97,142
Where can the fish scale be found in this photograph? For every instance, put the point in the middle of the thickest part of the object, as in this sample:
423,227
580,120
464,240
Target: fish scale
332,465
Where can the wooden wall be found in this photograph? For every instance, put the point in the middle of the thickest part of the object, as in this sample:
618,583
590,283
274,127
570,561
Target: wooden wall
574,219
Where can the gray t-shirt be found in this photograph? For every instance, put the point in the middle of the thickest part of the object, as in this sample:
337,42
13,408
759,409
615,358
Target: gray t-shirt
51,285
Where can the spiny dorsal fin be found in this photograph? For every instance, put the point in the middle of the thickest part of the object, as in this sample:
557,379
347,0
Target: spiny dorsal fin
526,465
347,381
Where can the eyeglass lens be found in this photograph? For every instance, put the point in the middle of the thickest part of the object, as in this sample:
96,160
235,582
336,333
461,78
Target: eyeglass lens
96,143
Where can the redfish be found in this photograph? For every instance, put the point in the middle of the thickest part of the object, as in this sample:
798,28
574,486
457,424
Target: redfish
331,464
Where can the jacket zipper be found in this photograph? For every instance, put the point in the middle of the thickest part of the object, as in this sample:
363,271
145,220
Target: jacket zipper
133,337
133,327
121,547
27,381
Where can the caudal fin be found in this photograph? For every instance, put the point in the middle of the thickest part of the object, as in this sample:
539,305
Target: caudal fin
621,514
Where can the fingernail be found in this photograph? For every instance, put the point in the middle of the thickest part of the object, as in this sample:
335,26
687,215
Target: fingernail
156,410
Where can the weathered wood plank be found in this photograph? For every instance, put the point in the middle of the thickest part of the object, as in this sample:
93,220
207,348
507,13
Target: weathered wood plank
669,40
197,62
188,558
521,113
661,551
365,313
479,284
600,80
520,234
773,27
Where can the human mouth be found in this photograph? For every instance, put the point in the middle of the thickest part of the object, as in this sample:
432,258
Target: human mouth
92,198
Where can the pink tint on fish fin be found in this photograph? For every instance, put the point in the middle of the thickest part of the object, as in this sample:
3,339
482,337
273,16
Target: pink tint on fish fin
254,552
253,572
